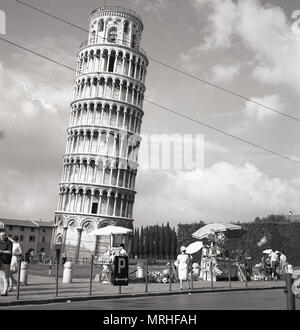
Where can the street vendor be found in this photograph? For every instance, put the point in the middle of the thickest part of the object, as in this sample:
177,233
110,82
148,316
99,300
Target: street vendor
274,257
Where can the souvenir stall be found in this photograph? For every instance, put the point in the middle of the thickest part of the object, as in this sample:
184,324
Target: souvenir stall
213,264
263,271
108,240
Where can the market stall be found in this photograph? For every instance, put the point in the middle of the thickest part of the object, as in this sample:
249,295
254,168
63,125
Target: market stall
214,262
108,242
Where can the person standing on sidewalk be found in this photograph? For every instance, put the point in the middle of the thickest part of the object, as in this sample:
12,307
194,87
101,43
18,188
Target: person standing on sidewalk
16,254
5,260
64,257
183,266
274,260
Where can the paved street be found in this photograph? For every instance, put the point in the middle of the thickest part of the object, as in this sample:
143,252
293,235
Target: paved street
40,287
251,300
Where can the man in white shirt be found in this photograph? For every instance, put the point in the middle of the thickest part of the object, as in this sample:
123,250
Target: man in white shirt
274,261
122,251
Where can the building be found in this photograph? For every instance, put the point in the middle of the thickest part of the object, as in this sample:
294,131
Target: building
97,188
32,234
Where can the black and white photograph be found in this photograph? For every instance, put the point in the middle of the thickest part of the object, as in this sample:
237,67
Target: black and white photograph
149,158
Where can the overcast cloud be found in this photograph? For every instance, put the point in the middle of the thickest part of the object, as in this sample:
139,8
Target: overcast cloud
216,40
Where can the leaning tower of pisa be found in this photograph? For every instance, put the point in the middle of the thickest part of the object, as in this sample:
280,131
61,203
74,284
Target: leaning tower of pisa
100,163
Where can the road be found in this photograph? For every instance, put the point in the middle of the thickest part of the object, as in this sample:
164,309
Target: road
251,300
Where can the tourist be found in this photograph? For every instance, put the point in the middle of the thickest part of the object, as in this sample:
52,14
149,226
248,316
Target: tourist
43,257
122,251
16,254
6,247
28,255
274,262
64,257
183,265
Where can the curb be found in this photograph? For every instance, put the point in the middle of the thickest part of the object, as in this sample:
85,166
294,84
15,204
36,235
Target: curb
128,295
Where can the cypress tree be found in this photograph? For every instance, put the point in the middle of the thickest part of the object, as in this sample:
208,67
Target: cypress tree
146,246
151,242
156,242
167,241
137,243
141,243
161,241
174,244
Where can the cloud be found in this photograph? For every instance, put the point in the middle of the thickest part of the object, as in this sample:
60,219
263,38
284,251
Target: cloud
33,144
222,192
260,114
264,32
153,6
225,73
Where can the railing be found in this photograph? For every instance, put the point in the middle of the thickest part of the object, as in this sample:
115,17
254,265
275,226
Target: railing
119,42
145,275
118,9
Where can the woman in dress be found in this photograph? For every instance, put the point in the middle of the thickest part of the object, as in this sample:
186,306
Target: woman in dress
16,253
183,265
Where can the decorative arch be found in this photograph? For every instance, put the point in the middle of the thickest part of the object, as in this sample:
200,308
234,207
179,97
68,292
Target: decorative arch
112,34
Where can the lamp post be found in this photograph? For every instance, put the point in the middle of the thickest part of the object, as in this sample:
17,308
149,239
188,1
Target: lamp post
57,251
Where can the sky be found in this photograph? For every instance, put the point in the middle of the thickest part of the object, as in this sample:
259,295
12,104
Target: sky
249,46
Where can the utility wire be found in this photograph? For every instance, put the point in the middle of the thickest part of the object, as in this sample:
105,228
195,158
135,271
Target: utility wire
164,108
211,84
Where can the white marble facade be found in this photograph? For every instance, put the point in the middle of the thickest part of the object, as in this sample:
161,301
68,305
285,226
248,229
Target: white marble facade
100,164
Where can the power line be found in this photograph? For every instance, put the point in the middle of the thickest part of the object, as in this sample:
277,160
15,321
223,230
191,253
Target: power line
211,84
164,108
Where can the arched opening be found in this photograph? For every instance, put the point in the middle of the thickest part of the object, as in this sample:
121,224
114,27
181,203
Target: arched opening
112,35
126,27
112,60
101,25
134,41
95,204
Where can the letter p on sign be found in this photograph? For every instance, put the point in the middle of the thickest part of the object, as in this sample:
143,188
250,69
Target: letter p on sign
2,22
121,264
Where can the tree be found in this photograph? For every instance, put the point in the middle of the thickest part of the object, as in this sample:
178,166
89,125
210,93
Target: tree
161,241
141,244
167,241
151,243
137,242
156,242
146,246
173,244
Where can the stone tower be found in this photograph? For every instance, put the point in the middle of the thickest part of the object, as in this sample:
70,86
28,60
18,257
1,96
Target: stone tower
100,164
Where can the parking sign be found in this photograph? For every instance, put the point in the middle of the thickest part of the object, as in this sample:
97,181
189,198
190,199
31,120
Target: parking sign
121,273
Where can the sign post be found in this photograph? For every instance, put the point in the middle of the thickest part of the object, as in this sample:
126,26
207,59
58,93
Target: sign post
121,271
57,251
289,293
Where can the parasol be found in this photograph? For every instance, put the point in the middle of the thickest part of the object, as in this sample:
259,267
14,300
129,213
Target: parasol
111,230
268,251
205,231
194,247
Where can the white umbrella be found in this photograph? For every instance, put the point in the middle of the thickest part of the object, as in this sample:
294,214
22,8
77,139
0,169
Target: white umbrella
268,251
194,247
215,227
111,230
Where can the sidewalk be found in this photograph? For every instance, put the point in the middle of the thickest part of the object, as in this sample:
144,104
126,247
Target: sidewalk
42,290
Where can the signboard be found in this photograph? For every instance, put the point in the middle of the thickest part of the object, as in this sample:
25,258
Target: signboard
121,271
